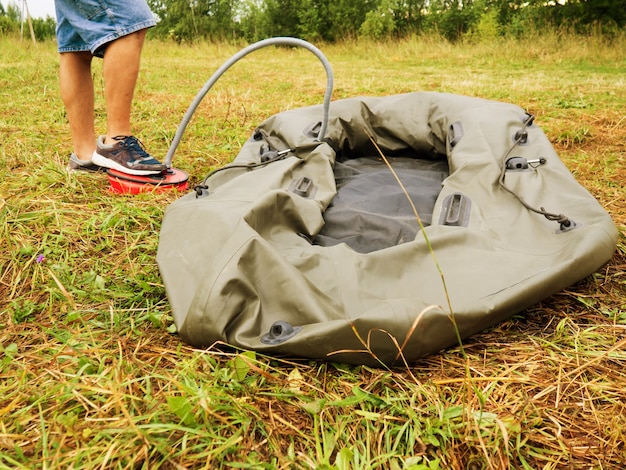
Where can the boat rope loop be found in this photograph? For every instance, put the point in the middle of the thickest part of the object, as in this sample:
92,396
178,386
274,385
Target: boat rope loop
267,157
521,137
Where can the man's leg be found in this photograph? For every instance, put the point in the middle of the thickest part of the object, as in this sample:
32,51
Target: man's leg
77,93
120,69
119,149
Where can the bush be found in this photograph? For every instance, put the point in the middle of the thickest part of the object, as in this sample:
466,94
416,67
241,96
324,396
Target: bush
378,24
8,26
44,29
486,28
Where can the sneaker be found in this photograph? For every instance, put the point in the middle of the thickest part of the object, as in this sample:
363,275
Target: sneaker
76,163
126,155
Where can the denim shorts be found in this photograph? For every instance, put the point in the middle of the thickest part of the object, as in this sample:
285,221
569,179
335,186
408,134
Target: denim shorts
89,25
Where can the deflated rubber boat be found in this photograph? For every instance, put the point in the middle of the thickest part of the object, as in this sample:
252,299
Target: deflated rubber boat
418,220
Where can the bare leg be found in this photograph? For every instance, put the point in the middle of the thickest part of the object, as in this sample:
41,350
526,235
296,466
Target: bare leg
120,69
77,94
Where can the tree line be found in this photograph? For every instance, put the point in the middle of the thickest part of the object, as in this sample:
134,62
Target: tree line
337,20
11,24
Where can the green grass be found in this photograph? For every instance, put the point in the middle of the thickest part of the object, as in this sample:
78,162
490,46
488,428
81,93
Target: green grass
92,377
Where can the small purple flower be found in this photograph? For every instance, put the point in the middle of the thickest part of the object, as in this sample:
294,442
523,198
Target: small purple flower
40,259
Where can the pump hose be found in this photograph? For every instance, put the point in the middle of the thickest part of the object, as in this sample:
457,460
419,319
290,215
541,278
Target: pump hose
230,62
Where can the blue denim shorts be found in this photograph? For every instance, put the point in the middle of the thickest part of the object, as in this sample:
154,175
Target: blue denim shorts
89,25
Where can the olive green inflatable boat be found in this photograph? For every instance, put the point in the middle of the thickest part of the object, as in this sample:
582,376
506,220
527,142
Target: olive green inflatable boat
419,219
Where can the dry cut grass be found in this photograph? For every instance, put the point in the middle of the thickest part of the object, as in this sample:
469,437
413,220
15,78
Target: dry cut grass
92,377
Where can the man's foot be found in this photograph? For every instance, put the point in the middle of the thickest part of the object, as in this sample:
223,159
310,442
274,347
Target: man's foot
126,155
76,163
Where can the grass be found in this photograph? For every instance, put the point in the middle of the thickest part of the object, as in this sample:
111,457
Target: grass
92,377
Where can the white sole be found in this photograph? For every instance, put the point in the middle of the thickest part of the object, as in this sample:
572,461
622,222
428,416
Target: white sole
107,163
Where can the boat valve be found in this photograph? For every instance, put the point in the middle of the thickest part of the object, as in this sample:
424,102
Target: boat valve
268,155
280,331
521,163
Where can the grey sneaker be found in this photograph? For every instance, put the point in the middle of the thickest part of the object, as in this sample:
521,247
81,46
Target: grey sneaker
76,163
126,155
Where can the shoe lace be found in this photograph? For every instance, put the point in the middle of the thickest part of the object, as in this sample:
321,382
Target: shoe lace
132,144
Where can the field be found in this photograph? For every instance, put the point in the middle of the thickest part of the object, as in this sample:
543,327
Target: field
92,374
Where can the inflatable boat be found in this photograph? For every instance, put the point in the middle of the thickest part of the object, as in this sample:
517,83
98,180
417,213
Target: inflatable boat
418,220
376,230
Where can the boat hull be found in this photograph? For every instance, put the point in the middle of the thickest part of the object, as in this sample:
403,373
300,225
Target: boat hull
241,265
